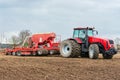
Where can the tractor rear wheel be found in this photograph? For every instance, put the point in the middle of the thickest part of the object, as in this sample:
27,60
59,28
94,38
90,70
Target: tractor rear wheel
93,51
70,48
107,56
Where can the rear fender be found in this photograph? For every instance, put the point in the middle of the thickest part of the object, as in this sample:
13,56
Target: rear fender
78,40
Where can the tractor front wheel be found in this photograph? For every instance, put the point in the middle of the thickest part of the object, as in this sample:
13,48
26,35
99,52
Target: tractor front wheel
107,56
93,51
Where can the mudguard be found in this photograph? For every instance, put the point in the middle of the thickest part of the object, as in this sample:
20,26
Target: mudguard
78,40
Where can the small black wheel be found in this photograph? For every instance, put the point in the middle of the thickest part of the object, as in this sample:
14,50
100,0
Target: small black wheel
33,53
107,56
14,53
53,52
42,52
39,52
18,53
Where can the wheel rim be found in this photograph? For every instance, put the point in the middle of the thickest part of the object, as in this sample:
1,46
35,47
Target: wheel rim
39,53
19,53
51,52
33,53
66,49
91,52
13,53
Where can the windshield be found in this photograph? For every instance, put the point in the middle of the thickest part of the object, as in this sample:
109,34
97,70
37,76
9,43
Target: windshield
82,33
79,33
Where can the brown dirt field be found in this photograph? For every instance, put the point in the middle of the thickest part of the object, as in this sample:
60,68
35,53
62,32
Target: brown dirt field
57,68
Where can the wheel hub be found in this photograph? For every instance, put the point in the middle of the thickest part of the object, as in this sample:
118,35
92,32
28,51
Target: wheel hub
39,52
91,52
66,49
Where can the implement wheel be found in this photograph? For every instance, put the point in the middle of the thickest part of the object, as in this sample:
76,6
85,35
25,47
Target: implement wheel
42,52
18,53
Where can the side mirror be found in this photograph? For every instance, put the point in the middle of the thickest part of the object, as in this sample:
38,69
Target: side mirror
95,32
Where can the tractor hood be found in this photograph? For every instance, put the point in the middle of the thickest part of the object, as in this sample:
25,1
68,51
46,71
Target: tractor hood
97,39
107,43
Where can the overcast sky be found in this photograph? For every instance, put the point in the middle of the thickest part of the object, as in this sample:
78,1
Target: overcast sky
60,16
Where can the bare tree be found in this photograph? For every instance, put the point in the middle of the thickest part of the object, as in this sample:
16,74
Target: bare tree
18,40
15,40
23,34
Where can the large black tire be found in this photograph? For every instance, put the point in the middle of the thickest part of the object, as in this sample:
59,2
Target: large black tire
107,56
70,48
93,51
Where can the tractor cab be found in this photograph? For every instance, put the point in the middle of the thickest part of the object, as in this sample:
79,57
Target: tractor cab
83,33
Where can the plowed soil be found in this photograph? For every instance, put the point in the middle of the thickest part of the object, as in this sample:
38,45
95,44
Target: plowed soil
57,68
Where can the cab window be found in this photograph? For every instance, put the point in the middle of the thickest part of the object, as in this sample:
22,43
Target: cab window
76,32
79,33
90,32
82,34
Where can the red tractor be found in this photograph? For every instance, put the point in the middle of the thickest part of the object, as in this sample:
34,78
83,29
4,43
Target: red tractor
37,44
85,44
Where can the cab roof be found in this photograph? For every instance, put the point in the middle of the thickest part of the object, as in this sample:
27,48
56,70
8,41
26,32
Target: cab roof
87,28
